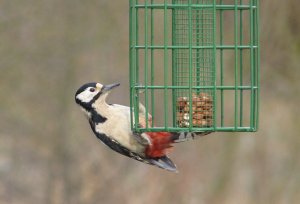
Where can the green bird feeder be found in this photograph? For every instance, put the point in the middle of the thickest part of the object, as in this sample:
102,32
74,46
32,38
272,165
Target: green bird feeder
194,65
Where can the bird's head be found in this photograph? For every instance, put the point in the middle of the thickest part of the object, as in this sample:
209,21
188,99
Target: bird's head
90,93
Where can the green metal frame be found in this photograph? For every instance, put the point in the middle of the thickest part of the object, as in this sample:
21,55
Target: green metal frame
179,48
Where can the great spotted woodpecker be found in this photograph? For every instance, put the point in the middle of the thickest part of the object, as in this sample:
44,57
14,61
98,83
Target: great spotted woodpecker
111,124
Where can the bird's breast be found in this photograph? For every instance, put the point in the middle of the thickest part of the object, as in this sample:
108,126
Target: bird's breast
118,128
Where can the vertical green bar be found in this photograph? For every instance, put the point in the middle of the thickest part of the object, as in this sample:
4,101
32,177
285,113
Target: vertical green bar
131,60
174,69
165,65
146,62
190,61
221,65
152,63
258,61
214,65
235,64
252,102
255,57
254,66
241,65
137,66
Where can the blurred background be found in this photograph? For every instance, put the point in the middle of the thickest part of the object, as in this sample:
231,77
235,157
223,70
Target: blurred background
48,154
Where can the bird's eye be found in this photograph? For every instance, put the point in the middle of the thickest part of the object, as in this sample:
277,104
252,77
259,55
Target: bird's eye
92,89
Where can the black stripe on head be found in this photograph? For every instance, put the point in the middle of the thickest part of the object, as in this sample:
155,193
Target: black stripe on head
96,97
83,87
96,117
85,105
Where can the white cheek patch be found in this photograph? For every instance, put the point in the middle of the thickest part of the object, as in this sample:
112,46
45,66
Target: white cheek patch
86,96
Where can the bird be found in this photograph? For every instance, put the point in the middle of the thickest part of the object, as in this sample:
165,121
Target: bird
111,124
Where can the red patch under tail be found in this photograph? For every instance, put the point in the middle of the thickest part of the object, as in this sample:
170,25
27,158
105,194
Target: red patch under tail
160,144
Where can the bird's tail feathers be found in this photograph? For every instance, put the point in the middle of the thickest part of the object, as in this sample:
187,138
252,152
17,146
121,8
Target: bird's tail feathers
163,162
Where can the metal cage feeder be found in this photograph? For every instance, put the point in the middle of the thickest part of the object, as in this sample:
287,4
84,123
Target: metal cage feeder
194,64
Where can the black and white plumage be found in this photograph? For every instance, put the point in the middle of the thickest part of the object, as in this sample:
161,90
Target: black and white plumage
111,124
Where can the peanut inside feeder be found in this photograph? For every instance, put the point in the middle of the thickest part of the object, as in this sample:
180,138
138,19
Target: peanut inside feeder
202,110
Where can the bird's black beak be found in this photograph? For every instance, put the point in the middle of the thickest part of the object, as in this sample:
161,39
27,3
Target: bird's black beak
110,87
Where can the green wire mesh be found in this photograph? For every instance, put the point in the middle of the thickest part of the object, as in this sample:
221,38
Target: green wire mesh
194,65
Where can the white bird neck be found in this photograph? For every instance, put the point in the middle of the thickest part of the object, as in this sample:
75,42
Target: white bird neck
101,106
